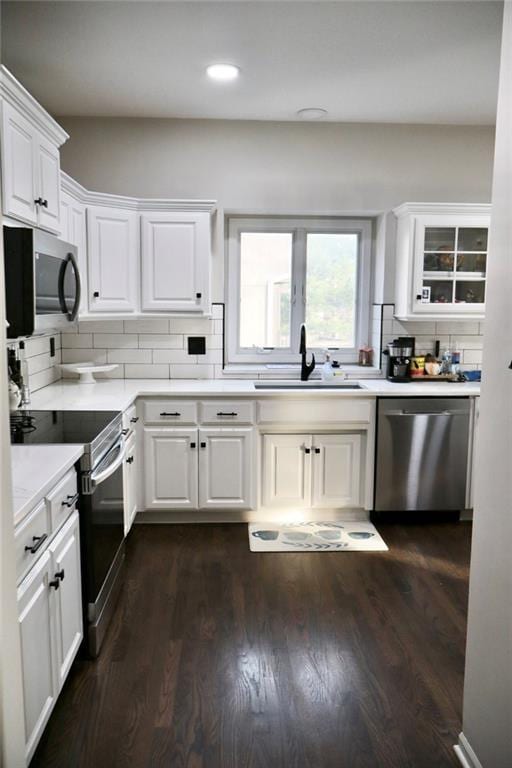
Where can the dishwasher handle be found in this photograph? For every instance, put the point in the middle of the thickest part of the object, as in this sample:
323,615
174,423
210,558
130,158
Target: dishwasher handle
424,413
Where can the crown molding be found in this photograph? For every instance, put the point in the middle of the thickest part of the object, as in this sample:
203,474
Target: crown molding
448,209
15,94
139,204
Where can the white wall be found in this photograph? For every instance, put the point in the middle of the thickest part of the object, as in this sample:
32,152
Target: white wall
280,167
487,717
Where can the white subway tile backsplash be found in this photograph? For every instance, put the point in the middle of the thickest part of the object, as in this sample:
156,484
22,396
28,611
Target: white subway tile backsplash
98,356
467,342
214,342
472,357
194,325
192,371
161,341
129,356
101,326
147,325
43,378
458,327
77,341
146,371
173,356
116,340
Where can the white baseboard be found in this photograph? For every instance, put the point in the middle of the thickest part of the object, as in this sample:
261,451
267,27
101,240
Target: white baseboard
250,516
465,753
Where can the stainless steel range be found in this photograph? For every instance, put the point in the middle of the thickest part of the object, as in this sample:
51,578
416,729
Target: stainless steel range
100,501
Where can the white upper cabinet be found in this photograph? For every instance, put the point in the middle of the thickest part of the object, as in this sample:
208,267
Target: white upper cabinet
441,260
112,248
176,261
30,141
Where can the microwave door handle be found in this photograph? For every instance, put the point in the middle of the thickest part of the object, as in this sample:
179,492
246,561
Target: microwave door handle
100,477
62,298
78,288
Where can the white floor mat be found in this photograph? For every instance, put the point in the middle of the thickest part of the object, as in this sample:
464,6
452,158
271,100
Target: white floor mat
330,536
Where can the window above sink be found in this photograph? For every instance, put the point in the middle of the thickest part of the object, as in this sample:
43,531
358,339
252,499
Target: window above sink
284,272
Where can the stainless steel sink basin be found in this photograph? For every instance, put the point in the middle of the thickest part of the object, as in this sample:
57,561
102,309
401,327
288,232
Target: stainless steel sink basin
306,385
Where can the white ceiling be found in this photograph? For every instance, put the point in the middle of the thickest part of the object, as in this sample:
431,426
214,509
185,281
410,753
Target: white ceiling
405,62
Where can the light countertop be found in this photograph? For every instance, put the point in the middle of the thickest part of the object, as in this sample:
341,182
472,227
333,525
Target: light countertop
35,471
119,394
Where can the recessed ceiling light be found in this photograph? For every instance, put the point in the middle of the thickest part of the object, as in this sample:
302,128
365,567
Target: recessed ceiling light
311,113
223,72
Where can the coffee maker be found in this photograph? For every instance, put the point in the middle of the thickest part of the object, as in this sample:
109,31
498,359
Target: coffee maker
399,354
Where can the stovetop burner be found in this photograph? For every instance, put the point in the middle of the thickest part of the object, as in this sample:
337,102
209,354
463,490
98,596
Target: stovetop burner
89,428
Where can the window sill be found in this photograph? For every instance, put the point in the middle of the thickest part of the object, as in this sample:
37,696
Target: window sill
272,371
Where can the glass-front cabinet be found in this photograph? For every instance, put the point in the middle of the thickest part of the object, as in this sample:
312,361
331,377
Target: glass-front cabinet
441,260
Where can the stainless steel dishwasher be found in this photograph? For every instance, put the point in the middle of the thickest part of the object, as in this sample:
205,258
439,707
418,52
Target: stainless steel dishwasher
422,454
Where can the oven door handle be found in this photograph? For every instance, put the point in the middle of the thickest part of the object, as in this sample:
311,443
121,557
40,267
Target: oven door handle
100,477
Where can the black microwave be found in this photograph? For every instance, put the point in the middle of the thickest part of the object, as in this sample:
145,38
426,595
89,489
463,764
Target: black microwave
42,281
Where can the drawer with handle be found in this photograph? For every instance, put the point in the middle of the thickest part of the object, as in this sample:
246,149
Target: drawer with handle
31,537
169,412
227,412
62,500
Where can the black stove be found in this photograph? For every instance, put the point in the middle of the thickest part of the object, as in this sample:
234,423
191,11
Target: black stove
59,426
96,430
101,503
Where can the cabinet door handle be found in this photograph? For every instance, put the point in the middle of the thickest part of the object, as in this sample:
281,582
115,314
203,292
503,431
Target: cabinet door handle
198,295
96,294
225,413
45,203
307,450
165,413
129,460
59,575
38,543
39,201
55,584
318,450
134,420
192,445
203,445
70,501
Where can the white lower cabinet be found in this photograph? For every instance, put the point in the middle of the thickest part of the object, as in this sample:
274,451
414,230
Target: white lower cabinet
170,462
38,640
50,623
225,469
311,471
286,471
198,468
336,463
130,472
65,562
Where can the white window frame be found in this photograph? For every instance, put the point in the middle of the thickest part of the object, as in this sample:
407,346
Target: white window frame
299,227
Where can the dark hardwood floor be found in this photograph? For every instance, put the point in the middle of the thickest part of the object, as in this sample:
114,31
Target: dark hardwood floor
219,658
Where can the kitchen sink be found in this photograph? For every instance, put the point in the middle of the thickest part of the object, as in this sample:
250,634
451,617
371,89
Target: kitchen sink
316,385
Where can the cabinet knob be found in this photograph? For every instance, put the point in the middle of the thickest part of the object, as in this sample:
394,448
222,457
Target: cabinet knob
70,500
39,201
60,574
203,445
96,294
198,295
418,297
55,584
45,203
307,450
317,450
129,460
192,445
134,420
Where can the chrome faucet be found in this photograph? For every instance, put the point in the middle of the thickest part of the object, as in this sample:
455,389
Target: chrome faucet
305,369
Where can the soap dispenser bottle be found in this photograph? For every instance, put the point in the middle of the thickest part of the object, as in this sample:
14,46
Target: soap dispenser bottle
327,369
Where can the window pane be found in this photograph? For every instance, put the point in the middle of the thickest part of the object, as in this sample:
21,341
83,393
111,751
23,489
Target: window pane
265,289
439,238
331,289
